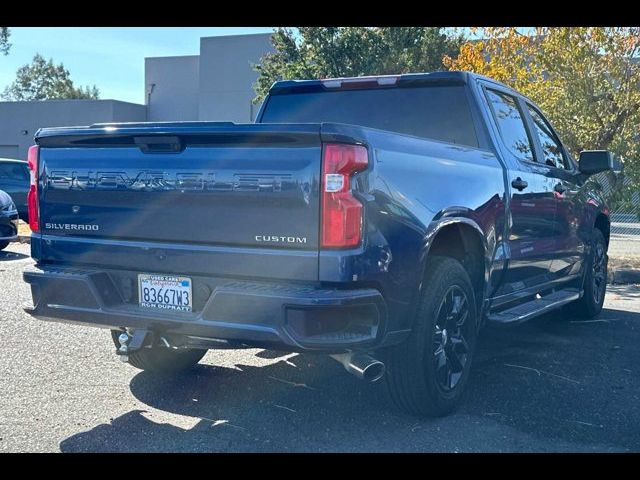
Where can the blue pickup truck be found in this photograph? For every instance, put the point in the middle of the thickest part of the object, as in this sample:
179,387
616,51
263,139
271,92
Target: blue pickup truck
380,220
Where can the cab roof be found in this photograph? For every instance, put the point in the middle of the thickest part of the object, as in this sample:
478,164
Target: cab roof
375,81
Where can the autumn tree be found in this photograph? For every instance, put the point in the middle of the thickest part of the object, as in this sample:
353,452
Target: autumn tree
587,80
324,52
44,80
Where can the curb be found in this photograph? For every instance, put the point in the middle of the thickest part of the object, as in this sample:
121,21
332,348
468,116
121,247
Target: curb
624,276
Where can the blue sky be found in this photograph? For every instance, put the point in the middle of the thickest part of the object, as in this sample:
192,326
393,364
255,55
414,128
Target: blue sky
112,58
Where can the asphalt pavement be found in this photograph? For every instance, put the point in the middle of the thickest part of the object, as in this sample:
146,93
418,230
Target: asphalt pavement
552,384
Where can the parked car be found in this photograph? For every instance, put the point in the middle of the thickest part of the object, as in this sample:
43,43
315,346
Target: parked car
14,180
8,220
379,220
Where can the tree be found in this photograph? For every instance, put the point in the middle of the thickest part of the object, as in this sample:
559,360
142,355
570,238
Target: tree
43,80
323,52
586,79
5,33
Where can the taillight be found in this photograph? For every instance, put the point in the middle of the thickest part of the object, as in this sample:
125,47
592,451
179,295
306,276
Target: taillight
341,212
32,197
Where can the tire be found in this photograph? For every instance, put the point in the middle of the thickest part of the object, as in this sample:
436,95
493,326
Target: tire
3,245
415,383
160,359
595,280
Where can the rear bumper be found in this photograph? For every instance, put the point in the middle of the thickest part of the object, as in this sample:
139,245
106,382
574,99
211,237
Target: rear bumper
276,315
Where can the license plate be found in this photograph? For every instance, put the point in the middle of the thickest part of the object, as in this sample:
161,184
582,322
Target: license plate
166,292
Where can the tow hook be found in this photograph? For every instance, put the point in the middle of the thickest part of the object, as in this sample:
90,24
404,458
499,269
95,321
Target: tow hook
131,343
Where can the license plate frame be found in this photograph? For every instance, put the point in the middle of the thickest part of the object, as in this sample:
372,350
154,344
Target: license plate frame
173,291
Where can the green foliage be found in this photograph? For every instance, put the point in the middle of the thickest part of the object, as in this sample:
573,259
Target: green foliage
586,79
329,52
5,33
44,80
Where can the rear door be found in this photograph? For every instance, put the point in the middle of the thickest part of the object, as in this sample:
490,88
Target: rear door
532,223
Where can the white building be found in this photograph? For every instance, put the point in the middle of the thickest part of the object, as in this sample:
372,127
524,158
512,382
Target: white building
215,85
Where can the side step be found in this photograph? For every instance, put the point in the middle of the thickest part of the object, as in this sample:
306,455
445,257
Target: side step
536,307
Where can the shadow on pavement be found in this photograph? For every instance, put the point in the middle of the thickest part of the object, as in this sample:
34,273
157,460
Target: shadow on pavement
550,384
249,408
563,378
7,256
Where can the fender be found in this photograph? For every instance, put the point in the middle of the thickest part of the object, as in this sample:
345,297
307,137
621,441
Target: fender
445,220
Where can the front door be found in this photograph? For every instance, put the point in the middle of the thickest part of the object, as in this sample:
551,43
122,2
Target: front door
570,248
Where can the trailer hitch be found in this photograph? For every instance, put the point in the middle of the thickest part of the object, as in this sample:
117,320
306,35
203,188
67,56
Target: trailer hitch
131,343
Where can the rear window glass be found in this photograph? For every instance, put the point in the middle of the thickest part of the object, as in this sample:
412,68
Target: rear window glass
13,171
435,112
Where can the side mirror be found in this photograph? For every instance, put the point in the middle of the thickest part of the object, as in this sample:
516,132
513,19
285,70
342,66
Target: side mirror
596,161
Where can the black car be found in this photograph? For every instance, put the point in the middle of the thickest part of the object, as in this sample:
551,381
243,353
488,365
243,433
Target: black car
14,180
8,220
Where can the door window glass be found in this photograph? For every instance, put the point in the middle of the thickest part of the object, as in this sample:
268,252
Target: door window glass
511,124
551,147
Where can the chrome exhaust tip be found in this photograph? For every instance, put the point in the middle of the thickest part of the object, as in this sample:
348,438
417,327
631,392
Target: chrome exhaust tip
361,365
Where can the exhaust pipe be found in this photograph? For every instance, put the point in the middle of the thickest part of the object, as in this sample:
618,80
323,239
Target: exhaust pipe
361,365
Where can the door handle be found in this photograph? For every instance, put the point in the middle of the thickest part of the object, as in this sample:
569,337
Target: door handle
560,188
519,184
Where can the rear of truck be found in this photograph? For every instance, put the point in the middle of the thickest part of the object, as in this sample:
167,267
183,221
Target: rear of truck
205,234
311,230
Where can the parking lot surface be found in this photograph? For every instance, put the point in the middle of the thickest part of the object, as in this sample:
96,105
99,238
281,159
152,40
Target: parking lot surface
552,384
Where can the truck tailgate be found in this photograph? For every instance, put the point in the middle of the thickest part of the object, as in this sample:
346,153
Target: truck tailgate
209,187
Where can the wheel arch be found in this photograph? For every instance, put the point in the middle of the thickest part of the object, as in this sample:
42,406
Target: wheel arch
463,239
